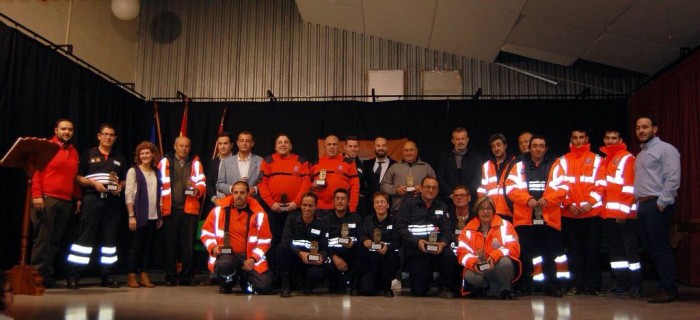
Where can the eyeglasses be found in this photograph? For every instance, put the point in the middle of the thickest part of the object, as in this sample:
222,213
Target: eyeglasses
108,134
489,209
461,195
430,187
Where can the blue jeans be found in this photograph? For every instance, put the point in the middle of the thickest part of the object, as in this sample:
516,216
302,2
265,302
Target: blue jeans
654,230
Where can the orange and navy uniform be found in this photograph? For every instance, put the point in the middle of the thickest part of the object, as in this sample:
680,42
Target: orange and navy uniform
493,180
288,175
518,188
258,239
618,167
57,179
500,241
341,172
196,177
584,176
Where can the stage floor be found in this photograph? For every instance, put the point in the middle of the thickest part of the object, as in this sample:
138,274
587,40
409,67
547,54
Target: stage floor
204,302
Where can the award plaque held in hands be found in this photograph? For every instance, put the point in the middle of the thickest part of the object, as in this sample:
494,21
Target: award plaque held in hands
344,234
410,184
481,264
313,252
537,218
113,184
376,239
284,202
321,182
190,189
432,245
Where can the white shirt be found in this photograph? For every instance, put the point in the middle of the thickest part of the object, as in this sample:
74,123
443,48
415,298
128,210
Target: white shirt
243,166
385,166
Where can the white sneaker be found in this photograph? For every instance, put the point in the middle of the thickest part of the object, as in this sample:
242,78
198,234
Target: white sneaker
395,284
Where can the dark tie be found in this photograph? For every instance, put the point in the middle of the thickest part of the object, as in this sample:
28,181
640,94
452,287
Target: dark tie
378,172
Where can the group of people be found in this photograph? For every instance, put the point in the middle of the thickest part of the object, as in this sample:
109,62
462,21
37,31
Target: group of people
533,220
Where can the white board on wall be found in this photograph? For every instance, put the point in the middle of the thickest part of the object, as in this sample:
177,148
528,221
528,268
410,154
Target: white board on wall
386,82
441,82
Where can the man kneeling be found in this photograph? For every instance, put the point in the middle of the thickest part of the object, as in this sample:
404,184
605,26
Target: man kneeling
237,236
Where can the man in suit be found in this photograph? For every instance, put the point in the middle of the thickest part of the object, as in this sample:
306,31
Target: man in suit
373,170
243,166
459,166
224,148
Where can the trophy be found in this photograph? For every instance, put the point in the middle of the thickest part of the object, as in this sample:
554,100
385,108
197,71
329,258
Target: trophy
461,223
226,247
481,264
376,239
410,186
313,252
344,234
113,183
321,182
537,216
190,189
284,202
432,246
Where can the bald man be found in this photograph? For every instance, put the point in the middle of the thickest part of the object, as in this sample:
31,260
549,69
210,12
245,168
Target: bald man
403,178
183,186
373,170
331,172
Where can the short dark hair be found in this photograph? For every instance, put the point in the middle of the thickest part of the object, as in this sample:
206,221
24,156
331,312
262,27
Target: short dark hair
310,194
246,132
341,190
538,136
105,125
225,134
497,136
281,134
352,137
381,194
651,118
426,178
241,182
460,129
578,130
63,120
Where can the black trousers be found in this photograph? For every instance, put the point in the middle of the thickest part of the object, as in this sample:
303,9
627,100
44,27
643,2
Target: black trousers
48,226
340,279
277,221
654,230
583,237
99,223
290,265
179,229
142,246
623,249
229,263
377,271
540,241
421,266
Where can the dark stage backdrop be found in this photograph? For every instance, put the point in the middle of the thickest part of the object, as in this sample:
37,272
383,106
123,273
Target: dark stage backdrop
38,86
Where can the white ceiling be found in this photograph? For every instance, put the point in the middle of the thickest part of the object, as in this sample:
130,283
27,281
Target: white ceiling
638,35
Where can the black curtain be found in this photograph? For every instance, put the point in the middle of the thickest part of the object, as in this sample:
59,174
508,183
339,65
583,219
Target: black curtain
38,86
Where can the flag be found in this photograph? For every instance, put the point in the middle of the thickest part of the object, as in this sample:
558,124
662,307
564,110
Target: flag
183,125
221,129
155,130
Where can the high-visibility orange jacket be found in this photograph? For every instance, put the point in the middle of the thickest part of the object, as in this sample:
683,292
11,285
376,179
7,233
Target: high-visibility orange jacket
518,190
255,245
618,166
585,179
501,240
493,184
341,172
288,175
198,181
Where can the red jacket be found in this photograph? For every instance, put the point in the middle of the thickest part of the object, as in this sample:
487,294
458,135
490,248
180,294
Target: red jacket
259,235
57,179
555,191
198,181
340,173
500,241
584,176
493,186
618,167
288,175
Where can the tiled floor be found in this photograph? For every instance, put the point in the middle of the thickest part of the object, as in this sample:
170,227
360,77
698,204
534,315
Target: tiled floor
204,302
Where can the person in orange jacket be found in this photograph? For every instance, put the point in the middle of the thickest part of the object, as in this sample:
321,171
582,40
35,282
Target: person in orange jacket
184,184
493,176
620,214
581,223
489,250
536,186
339,172
245,223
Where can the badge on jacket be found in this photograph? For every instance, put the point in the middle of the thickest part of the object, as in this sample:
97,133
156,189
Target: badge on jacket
495,244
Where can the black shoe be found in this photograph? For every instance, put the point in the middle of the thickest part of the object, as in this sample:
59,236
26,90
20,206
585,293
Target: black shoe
170,283
225,289
506,295
285,293
663,296
598,293
445,294
50,283
110,283
636,292
186,282
550,292
389,293
72,284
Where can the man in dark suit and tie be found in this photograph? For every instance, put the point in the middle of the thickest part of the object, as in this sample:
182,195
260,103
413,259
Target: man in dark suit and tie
373,170
224,146
243,166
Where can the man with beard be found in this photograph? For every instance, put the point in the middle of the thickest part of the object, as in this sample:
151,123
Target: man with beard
494,173
459,166
53,189
373,170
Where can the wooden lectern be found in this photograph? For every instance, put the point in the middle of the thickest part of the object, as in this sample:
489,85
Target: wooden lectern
29,154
